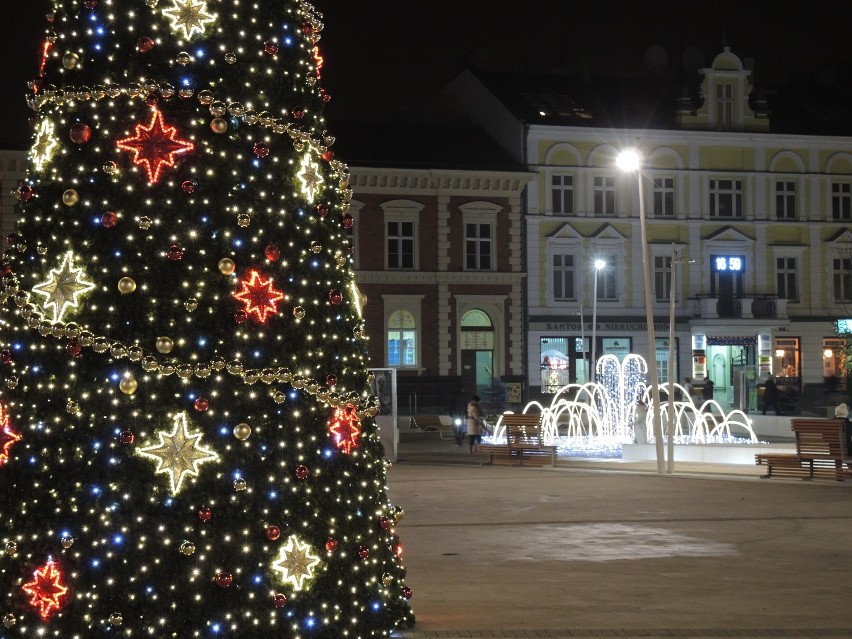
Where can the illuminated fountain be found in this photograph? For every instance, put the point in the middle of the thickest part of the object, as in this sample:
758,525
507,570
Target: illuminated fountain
607,414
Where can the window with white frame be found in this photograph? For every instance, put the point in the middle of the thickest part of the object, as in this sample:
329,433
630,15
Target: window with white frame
841,279
478,246
604,195
480,223
402,339
664,197
662,277
726,198
400,240
562,193
785,200
607,279
563,276
786,278
841,200
724,106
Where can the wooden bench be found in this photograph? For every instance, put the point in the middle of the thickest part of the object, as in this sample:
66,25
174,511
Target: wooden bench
432,423
821,452
524,445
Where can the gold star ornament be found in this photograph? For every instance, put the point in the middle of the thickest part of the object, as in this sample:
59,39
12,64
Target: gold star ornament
309,177
189,17
178,453
63,287
296,563
45,144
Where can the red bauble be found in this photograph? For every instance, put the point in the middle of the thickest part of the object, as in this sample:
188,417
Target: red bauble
80,133
406,592
273,532
144,44
127,437
223,579
325,96
335,296
322,209
25,192
272,252
297,113
348,221
201,404
5,268
331,380
204,513
240,317
302,471
270,47
6,356
328,156
260,150
363,552
307,28
188,186
73,348
175,253
90,4
384,523
12,239
109,219
279,600
152,100
331,544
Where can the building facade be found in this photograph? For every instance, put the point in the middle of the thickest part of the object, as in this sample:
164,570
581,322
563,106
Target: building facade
749,229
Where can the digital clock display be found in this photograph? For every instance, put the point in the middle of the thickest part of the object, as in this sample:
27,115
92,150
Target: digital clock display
734,264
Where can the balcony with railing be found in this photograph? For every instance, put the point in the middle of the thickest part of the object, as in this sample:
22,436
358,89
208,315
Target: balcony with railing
745,307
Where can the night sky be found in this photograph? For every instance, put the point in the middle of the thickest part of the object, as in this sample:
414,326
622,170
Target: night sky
384,58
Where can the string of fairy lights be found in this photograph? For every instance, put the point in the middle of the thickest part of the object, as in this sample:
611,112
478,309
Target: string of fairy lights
185,218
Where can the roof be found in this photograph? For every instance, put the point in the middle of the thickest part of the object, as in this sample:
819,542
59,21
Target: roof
377,144
652,103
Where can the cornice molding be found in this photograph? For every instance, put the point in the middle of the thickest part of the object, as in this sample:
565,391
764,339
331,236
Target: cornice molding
508,184
436,278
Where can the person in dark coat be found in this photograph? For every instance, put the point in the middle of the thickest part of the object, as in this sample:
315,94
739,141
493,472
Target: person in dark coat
474,423
707,391
770,394
458,413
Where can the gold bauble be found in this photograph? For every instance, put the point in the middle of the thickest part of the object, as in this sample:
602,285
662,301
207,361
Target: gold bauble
9,620
67,542
387,579
340,258
244,219
191,304
128,385
126,285
187,548
183,58
279,397
70,197
242,431
226,266
164,345
70,60
110,167
116,619
145,222
240,484
230,58
299,312
316,247
219,125
72,407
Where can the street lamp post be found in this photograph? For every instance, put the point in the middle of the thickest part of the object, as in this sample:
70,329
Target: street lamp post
599,264
672,373
629,161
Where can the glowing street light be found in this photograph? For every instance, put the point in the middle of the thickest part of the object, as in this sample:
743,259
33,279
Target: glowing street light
599,265
630,161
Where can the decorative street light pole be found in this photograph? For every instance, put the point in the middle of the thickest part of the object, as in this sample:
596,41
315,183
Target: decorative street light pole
599,264
629,161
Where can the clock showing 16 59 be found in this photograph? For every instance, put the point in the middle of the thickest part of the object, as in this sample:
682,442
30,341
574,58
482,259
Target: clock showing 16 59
735,264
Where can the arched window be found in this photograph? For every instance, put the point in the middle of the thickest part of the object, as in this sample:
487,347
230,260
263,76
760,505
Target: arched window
402,339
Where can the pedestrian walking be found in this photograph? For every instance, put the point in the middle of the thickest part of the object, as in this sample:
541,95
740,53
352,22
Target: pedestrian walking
707,391
474,423
458,413
770,394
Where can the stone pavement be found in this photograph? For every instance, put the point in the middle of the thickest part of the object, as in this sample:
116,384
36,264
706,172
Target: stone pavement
604,548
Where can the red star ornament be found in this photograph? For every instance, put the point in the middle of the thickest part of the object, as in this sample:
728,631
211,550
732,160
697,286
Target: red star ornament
155,146
259,296
345,427
46,590
7,436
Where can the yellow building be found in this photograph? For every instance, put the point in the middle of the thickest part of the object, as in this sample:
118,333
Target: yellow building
749,223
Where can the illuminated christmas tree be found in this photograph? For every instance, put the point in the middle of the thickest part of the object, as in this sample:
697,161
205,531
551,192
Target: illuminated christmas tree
187,446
